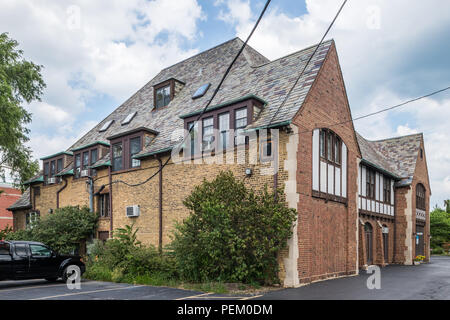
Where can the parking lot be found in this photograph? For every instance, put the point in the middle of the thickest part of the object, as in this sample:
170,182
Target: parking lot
424,282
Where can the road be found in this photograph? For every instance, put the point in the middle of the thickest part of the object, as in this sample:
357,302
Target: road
423,282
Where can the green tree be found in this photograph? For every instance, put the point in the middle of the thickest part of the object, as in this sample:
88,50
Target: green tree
439,227
447,205
62,231
232,234
20,82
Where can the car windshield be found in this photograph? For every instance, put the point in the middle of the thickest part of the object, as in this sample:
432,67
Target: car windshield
4,248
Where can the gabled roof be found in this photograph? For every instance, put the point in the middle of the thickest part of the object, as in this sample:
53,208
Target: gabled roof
22,203
395,155
252,74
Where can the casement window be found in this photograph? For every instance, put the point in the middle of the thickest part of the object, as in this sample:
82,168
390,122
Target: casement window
387,190
224,130
208,133
420,197
51,168
163,96
329,160
193,136
103,205
124,149
30,219
240,122
84,160
370,184
117,161
135,148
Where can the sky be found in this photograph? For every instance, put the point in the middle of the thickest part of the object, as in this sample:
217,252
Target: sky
96,54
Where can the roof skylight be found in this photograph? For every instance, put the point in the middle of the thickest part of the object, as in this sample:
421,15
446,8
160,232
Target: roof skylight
129,117
201,91
106,125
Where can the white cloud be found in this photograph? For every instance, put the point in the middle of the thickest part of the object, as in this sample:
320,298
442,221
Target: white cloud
106,48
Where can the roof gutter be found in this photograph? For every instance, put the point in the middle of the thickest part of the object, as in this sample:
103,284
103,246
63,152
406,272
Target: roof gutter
364,161
153,153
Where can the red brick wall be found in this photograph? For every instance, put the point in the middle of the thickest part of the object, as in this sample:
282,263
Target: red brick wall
421,176
327,231
7,198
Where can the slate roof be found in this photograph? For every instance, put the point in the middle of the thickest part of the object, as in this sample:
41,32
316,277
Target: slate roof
395,155
23,202
252,74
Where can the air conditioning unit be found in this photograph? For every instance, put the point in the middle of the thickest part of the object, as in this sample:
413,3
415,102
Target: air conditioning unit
84,173
133,211
51,180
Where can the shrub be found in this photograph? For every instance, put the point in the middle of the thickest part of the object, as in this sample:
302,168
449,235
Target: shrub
5,232
232,234
439,227
62,231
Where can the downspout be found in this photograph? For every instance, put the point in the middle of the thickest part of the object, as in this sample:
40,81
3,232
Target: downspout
91,194
394,258
110,203
160,204
61,189
275,185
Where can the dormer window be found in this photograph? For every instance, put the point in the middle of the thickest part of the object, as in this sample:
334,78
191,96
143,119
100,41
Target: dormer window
162,98
53,165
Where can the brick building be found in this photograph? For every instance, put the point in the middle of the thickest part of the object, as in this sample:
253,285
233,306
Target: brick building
8,196
359,202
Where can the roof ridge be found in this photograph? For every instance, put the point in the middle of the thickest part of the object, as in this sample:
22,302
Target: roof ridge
293,53
202,52
393,138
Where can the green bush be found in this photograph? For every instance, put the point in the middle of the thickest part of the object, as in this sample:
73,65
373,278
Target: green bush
438,250
5,232
439,227
124,257
232,234
62,231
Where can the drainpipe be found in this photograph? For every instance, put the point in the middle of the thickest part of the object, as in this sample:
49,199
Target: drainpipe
61,189
160,204
91,193
110,203
275,185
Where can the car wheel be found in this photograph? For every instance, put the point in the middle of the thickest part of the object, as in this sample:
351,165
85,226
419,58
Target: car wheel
51,279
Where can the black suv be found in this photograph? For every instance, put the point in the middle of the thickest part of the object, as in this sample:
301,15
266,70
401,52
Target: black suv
34,260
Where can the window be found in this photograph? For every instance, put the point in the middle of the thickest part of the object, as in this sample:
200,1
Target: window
77,165
30,219
103,205
370,184
46,171
420,197
162,96
135,148
240,122
21,250
59,165
94,156
330,146
52,169
387,190
40,251
193,136
85,160
421,153
201,91
106,125
117,157
224,130
208,133
129,117
4,248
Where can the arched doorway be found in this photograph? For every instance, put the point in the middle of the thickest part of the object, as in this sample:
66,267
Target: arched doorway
386,243
368,230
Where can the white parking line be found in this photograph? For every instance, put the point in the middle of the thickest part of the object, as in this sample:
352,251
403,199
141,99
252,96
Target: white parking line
87,292
196,296
251,297
32,287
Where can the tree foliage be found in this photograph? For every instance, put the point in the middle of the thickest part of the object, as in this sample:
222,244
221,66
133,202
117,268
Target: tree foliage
62,231
439,227
20,82
232,234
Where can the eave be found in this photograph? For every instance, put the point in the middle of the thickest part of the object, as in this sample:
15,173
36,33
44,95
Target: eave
91,145
57,154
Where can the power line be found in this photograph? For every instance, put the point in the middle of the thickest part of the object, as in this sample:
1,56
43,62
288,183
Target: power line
209,102
307,63
385,109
